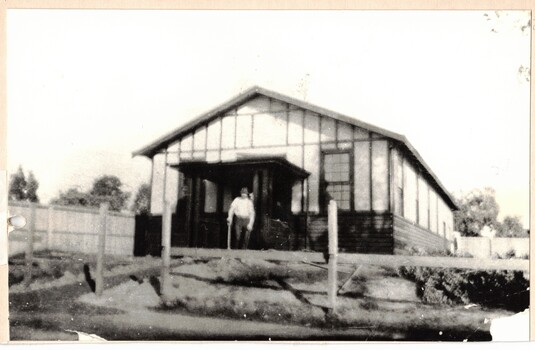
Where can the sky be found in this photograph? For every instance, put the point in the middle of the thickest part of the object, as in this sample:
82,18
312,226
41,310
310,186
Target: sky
86,88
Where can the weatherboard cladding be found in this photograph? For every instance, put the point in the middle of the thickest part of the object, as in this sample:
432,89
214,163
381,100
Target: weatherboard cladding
205,132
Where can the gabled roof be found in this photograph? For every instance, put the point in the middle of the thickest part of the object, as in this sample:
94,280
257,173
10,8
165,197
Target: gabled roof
255,91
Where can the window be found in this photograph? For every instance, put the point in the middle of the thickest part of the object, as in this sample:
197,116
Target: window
337,179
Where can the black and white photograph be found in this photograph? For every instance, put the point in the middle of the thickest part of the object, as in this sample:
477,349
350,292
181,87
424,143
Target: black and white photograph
268,175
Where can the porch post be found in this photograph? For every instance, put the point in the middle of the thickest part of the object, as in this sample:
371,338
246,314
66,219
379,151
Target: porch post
196,200
265,204
188,181
256,187
222,218
257,228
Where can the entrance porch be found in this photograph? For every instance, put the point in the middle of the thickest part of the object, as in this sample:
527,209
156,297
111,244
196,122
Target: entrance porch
209,188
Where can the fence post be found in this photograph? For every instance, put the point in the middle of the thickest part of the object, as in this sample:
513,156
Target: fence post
29,247
102,228
333,255
50,228
166,247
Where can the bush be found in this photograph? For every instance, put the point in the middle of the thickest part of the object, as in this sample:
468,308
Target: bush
493,289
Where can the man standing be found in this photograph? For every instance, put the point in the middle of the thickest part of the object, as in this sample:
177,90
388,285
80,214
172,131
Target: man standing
243,208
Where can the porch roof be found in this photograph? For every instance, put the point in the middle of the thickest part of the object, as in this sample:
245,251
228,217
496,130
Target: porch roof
216,169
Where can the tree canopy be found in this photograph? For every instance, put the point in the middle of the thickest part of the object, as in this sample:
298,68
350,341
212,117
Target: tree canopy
73,196
511,226
106,188
141,203
477,209
22,188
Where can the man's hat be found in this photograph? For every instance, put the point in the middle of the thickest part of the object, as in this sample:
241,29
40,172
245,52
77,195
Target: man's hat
244,190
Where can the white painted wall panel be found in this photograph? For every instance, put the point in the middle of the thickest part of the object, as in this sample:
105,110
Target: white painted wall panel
328,129
345,145
294,154
380,175
312,127
312,162
442,217
361,134
276,106
397,175
186,156
212,156
263,152
187,143
345,131
362,176
328,146
214,129
229,131
256,105
172,156
409,192
433,210
198,155
295,127
243,130
423,203
228,155
199,139
269,130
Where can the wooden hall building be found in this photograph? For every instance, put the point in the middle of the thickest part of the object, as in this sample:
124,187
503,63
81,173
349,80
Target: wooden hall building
294,157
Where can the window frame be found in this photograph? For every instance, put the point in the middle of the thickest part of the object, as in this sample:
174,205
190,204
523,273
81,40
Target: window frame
324,183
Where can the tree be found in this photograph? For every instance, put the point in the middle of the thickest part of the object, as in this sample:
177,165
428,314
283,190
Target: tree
511,227
107,188
73,196
17,185
141,203
31,188
477,209
21,189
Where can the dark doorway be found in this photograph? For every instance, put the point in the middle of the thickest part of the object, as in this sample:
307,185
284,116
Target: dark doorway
215,185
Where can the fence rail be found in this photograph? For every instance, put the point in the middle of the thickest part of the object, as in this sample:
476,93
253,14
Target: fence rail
71,229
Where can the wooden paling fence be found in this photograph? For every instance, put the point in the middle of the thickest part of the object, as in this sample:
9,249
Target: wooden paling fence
70,229
335,259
